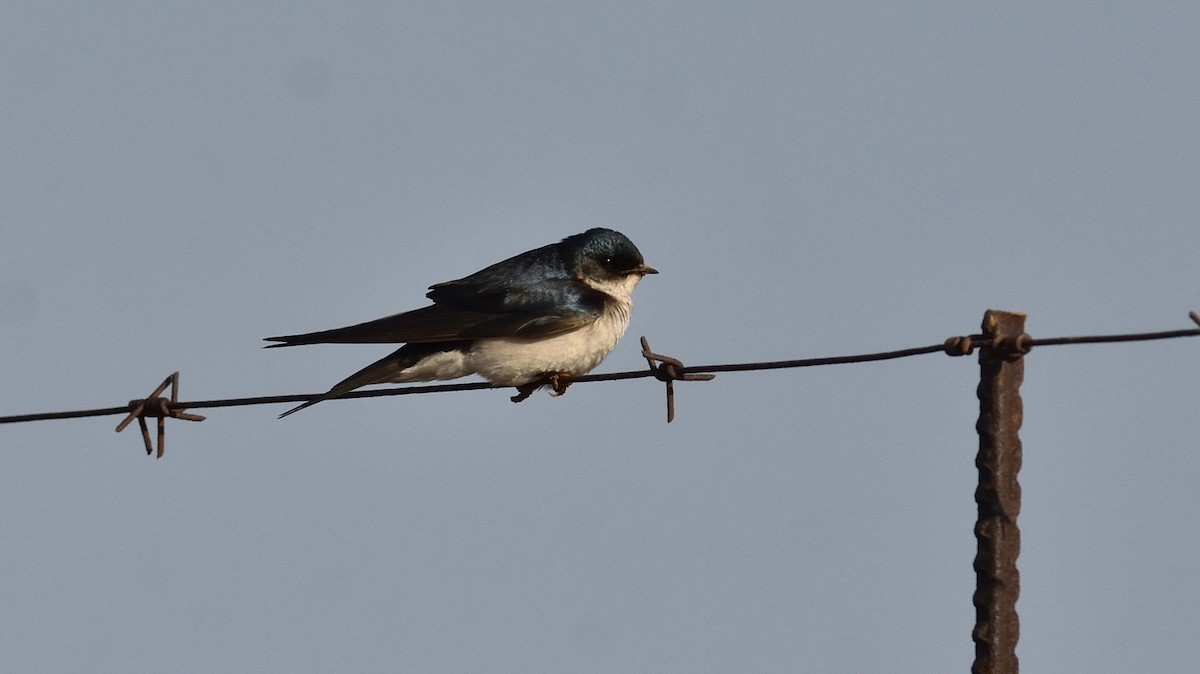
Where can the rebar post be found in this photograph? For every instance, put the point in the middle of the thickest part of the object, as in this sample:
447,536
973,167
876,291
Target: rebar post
997,582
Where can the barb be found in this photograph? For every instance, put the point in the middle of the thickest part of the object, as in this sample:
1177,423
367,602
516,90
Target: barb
668,370
668,367
154,406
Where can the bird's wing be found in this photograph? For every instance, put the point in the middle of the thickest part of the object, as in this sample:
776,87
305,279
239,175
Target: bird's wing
523,305
461,312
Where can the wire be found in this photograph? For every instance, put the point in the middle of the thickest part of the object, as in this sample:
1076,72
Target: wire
668,370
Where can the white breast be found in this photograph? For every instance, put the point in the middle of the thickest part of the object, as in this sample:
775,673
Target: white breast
510,361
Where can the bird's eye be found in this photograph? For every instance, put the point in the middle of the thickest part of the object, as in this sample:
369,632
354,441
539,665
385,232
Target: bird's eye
608,262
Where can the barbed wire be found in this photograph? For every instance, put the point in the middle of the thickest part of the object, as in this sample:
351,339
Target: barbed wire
663,368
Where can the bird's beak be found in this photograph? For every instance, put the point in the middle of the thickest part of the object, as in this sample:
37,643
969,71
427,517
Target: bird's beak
643,269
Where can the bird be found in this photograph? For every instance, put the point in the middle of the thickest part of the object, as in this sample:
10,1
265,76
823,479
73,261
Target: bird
535,319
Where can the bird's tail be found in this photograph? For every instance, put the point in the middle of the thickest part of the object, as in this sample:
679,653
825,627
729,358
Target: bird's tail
374,373
385,370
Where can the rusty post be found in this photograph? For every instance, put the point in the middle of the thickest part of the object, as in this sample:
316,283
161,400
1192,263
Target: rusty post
997,582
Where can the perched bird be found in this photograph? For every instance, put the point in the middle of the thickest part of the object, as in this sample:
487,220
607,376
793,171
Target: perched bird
537,318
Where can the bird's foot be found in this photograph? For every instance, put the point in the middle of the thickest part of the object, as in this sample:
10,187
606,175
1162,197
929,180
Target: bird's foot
557,381
525,390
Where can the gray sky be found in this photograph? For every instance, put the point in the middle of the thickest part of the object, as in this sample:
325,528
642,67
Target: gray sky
812,179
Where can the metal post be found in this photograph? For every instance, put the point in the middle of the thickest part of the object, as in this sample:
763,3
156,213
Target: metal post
997,582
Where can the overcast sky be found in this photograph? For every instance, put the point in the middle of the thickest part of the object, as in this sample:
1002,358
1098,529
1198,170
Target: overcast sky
180,180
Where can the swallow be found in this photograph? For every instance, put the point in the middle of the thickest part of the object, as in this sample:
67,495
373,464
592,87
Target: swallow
535,319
